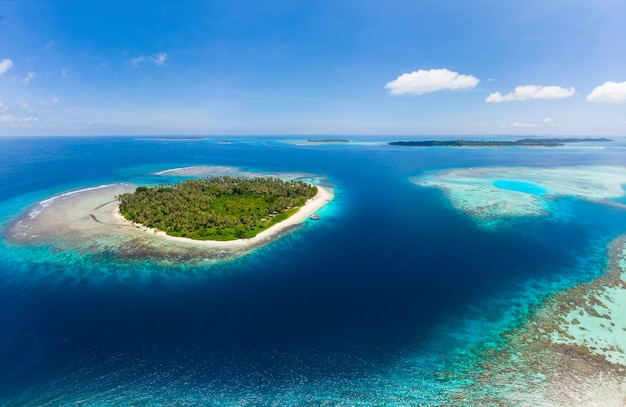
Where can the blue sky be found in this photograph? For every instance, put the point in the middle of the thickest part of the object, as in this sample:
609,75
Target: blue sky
548,67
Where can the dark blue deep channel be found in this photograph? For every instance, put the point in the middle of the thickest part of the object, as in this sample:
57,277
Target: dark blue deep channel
391,278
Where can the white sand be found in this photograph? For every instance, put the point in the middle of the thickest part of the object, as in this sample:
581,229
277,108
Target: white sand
323,196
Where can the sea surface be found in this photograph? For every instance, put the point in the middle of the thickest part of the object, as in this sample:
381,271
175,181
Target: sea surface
374,304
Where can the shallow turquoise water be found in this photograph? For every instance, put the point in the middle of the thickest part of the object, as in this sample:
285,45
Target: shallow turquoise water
521,186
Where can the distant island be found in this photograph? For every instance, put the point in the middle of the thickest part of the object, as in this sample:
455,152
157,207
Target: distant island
526,142
220,208
328,140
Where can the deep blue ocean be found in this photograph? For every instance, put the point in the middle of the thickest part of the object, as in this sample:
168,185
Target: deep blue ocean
363,307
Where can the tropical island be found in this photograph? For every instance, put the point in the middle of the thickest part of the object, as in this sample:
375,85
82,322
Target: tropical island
219,208
526,142
214,214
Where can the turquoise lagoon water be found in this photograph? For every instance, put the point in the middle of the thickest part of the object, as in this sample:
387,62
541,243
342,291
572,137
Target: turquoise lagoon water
521,186
381,302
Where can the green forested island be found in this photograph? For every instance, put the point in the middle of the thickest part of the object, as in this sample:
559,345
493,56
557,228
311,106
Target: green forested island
219,208
527,142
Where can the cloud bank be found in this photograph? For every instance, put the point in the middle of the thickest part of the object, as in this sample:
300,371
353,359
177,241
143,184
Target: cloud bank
5,65
610,92
527,92
422,81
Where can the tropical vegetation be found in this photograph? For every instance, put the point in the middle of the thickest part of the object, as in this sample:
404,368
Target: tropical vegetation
218,208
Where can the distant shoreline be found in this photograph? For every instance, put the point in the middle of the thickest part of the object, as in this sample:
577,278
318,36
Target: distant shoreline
527,142
328,140
173,138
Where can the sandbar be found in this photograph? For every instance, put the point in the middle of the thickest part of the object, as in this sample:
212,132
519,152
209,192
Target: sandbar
88,222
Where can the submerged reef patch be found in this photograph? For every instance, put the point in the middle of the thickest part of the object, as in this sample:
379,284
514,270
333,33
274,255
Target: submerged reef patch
489,194
570,351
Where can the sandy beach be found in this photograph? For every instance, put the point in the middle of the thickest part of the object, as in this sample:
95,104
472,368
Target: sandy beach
88,221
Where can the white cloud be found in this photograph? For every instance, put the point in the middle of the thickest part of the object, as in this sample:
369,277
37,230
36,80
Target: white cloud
524,125
159,59
418,82
608,92
29,77
18,121
531,92
546,122
138,60
156,59
5,65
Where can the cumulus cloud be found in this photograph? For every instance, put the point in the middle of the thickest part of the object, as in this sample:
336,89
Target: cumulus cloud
5,65
611,92
156,59
527,92
422,81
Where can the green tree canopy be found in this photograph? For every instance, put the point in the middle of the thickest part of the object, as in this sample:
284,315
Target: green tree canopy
219,208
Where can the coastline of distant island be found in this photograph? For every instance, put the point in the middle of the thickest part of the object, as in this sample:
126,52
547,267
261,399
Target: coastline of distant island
173,138
526,142
328,140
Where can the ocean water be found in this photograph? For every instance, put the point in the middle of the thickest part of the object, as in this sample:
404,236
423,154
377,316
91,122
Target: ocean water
367,306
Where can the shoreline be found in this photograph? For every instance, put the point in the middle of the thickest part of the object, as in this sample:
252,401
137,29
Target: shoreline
323,196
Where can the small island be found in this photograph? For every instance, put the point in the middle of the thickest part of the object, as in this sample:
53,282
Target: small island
527,142
219,208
